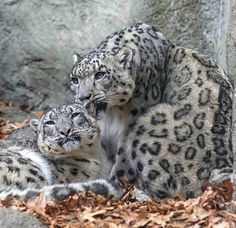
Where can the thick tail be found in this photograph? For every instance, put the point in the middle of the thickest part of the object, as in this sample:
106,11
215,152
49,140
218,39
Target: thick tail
62,191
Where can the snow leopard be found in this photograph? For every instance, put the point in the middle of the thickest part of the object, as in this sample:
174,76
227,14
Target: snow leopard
67,150
165,114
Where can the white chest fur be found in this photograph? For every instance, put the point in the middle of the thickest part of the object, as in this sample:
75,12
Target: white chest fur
112,127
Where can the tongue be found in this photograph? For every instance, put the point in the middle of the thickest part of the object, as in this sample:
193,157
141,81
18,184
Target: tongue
94,112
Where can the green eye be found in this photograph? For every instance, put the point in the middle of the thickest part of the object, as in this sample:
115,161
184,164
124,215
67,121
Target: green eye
99,75
50,122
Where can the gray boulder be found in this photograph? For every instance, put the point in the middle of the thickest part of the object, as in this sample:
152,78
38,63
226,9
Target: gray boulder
13,219
37,38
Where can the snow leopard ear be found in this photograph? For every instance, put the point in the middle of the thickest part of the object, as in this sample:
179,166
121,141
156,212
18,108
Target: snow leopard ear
125,56
34,123
77,57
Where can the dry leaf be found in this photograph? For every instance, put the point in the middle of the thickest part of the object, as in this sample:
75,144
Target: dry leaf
39,114
87,209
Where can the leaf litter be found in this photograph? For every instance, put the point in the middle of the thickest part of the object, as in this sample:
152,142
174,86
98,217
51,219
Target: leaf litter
86,209
6,127
215,208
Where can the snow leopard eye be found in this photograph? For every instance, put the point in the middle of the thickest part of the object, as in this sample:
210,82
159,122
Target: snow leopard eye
99,75
50,122
75,114
75,80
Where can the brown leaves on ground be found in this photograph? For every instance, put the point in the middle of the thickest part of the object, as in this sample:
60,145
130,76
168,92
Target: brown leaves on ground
86,209
6,127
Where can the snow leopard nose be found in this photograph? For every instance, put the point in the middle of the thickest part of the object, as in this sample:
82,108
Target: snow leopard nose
86,97
65,131
84,91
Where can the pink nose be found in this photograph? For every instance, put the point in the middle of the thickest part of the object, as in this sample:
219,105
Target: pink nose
65,131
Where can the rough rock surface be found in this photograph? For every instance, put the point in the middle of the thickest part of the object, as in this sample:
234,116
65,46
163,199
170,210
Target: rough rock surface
14,219
231,42
37,38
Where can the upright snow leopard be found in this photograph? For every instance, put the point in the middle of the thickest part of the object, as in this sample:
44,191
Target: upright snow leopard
165,114
67,150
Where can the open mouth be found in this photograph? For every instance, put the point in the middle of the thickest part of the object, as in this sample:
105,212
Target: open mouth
96,110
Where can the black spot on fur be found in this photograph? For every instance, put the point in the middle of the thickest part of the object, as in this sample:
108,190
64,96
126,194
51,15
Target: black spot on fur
134,112
158,134
174,148
34,172
150,162
135,143
207,157
120,173
140,166
123,160
154,148
204,60
143,148
190,153
199,82
133,154
161,194
185,181
179,55
153,174
201,141
183,132
203,174
179,168
158,118
219,146
155,92
22,161
141,130
30,180
183,111
120,151
165,165
8,160
189,194
199,120
223,162
131,171
62,192
171,183
82,160
74,171
204,97
100,189
184,93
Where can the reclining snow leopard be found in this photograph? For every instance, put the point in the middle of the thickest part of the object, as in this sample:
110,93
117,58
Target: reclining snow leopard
67,150
165,114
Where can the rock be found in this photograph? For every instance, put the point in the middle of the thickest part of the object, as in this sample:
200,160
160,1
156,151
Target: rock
14,219
231,43
14,114
37,38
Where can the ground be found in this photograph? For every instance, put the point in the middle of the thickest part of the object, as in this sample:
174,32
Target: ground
214,208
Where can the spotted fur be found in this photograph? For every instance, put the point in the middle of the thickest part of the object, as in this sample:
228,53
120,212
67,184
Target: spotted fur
67,150
165,113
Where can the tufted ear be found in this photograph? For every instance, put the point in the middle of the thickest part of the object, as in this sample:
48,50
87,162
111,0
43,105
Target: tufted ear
124,56
34,123
77,57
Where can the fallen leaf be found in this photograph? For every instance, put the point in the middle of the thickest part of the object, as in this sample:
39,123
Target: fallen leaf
38,114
